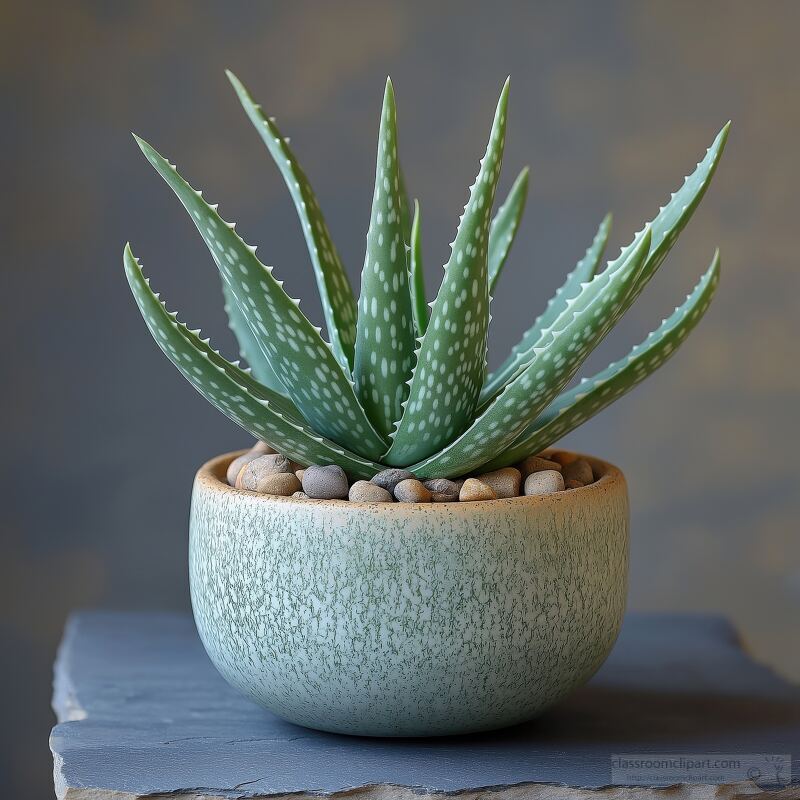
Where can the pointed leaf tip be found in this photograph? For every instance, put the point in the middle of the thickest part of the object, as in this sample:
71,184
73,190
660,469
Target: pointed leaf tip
233,391
572,408
454,342
384,349
505,225
338,302
269,312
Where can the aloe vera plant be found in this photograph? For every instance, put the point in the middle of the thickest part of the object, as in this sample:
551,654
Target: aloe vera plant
397,384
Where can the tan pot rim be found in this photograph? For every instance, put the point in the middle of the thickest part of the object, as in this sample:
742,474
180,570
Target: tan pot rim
211,476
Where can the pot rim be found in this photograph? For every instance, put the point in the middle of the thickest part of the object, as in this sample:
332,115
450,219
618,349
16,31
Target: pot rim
211,476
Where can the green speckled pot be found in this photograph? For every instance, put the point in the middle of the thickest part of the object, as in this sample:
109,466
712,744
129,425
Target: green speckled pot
408,619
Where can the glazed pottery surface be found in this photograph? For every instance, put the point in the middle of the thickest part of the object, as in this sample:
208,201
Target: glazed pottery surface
408,619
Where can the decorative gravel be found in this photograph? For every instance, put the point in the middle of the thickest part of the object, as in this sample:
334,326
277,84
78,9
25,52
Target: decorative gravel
263,470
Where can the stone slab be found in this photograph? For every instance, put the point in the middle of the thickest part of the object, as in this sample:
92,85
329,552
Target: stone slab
142,712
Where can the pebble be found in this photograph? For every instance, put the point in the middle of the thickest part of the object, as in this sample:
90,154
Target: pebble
325,483
548,481
366,492
537,464
259,468
443,490
237,465
503,482
389,478
263,470
410,490
280,483
578,470
474,489
563,458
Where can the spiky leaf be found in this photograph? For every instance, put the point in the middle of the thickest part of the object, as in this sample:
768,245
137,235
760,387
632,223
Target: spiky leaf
584,270
504,226
592,395
416,276
260,411
303,361
249,349
664,229
405,205
561,351
451,361
336,294
385,329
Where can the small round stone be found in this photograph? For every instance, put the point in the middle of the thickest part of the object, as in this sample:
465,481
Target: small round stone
503,482
573,484
443,490
299,474
325,483
537,464
366,492
410,490
281,483
236,466
389,478
441,497
563,457
474,489
301,496
578,470
548,481
259,468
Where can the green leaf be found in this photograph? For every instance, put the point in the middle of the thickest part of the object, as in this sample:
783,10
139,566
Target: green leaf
592,395
385,329
584,270
451,360
303,362
664,230
416,276
249,349
504,227
405,206
338,302
672,218
263,413
559,354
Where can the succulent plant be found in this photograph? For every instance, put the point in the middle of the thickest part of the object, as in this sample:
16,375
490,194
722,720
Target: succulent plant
402,382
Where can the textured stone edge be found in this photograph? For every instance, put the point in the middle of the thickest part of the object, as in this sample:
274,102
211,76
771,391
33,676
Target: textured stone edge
67,707
65,703
525,791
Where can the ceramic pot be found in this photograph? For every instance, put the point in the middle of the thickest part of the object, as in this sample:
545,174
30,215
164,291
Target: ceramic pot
408,619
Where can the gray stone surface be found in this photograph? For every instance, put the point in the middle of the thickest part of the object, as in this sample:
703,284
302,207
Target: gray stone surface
143,713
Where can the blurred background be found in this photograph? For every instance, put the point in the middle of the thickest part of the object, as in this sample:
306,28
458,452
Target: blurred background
611,104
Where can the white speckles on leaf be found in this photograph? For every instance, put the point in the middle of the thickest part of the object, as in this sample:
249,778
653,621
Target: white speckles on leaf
450,325
338,303
265,414
481,441
575,406
385,327
278,342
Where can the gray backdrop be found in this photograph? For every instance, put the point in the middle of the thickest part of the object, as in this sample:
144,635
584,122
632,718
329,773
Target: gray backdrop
611,104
